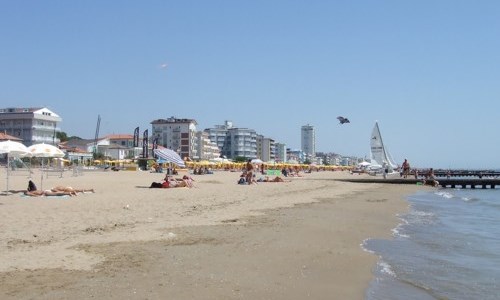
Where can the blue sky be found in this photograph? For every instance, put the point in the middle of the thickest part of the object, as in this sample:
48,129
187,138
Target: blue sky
428,71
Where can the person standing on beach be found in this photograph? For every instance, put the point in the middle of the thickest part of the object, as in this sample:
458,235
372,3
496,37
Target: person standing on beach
249,169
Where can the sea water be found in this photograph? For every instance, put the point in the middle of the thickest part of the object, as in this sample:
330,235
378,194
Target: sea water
446,247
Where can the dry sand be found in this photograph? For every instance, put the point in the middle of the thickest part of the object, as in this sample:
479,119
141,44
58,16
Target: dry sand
218,240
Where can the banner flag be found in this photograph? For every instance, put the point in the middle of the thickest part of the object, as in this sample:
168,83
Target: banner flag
136,137
145,144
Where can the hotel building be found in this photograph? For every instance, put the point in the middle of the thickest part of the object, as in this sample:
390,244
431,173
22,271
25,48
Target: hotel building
31,125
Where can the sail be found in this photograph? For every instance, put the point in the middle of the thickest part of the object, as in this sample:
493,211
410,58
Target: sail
379,153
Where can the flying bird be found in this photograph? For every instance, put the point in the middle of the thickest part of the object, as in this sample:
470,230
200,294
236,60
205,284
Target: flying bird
343,120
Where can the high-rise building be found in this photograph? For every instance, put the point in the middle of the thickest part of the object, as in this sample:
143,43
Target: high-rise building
31,125
308,141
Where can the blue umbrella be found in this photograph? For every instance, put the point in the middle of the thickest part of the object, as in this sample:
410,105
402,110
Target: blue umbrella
170,156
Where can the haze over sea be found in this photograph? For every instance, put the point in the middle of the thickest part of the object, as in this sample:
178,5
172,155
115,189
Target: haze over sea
446,247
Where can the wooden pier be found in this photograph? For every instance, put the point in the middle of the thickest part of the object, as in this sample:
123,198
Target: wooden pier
443,182
459,173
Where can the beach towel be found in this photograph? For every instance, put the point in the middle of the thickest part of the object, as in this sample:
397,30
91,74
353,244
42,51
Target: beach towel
52,196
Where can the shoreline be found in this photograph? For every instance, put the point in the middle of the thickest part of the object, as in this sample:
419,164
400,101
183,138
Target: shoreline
200,243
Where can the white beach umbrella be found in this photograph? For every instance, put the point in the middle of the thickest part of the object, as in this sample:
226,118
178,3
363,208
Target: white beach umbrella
43,151
170,155
13,149
256,161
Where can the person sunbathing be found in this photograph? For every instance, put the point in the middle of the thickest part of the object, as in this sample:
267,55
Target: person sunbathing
275,179
38,193
180,182
170,182
70,190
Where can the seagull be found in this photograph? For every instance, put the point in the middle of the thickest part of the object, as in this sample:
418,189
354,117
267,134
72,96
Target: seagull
343,120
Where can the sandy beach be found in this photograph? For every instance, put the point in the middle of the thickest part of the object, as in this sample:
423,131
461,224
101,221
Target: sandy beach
217,240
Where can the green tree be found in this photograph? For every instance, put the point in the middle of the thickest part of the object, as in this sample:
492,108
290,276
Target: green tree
62,136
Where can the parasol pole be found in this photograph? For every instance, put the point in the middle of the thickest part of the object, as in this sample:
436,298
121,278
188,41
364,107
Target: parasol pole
41,177
8,167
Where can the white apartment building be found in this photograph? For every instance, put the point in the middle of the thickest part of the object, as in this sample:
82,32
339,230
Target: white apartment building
233,141
280,154
176,134
240,142
31,125
218,134
205,148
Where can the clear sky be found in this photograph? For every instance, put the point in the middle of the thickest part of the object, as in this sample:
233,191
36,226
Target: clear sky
428,71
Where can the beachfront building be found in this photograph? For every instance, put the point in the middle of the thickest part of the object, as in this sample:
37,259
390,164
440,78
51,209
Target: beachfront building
218,134
176,134
295,155
205,148
125,140
240,142
31,125
114,147
280,152
308,141
265,148
233,141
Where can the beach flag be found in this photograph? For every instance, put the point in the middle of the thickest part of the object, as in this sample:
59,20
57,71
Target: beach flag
136,137
145,144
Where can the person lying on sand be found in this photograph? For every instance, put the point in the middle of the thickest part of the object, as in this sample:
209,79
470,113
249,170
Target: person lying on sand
38,193
170,182
71,190
275,179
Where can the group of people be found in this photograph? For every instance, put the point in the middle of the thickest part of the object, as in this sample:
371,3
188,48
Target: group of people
248,175
171,182
202,171
429,178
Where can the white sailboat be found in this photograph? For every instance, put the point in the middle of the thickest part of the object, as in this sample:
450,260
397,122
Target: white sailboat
380,157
